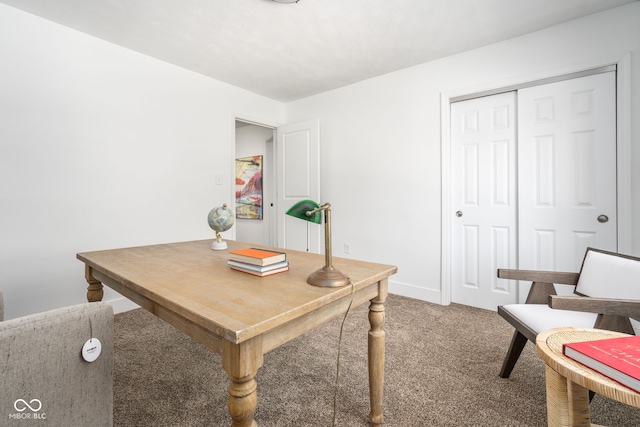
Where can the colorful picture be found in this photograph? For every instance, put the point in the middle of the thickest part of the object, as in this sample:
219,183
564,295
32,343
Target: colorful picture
249,187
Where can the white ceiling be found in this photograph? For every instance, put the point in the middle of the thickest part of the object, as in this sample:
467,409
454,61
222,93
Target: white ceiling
290,51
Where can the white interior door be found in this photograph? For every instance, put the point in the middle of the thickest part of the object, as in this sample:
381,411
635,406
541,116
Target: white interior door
567,171
298,177
483,135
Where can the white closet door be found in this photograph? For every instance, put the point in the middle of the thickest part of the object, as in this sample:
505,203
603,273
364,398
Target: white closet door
566,172
483,135
534,183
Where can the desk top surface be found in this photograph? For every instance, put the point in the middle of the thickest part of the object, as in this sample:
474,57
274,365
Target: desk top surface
191,279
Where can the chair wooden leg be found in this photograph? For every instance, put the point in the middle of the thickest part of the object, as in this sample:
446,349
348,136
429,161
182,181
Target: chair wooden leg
517,344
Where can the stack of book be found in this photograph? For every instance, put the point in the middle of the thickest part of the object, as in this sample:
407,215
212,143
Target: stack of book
259,262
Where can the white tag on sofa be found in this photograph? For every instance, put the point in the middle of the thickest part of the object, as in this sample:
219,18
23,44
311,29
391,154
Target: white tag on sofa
91,349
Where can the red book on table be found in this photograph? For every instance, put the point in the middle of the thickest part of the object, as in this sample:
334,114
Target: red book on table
616,358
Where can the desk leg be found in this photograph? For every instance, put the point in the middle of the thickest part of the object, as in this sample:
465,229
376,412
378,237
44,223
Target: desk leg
241,362
376,354
94,290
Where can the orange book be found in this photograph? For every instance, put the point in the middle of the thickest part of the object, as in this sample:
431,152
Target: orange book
257,256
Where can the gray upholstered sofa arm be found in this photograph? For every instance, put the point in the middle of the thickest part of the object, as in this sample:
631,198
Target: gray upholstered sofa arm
44,375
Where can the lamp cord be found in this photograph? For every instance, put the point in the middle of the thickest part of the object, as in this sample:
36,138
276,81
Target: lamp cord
335,390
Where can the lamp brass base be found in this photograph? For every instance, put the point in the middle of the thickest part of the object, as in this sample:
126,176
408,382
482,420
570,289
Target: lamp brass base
328,278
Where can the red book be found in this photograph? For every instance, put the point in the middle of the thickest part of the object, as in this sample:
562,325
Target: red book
616,358
257,256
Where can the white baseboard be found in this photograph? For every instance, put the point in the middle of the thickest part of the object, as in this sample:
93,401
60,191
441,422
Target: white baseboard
412,291
122,304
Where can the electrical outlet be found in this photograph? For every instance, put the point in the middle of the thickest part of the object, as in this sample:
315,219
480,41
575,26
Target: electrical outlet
347,248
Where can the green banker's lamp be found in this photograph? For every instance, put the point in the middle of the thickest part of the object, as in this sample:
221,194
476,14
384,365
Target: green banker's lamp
327,276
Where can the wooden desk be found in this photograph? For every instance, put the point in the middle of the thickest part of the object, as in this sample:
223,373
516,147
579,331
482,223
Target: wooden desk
237,315
569,382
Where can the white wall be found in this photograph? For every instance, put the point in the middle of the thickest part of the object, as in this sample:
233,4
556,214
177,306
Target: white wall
101,147
255,140
381,140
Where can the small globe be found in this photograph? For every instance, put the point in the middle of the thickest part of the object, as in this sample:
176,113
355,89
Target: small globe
220,219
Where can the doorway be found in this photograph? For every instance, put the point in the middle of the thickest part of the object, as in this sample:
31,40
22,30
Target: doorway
251,140
291,172
533,176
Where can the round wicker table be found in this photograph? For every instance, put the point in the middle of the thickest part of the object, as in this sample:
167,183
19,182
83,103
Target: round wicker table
569,382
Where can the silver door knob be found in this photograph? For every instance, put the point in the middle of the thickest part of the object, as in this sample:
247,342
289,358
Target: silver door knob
459,214
603,218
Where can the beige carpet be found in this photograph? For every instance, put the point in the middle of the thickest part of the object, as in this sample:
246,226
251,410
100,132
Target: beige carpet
441,369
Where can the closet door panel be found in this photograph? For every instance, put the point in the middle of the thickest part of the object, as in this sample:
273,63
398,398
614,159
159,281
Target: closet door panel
566,171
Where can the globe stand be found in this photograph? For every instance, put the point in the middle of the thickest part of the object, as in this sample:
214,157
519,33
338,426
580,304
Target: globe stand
219,244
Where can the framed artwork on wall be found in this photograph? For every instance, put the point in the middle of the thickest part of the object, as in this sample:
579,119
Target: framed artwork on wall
249,187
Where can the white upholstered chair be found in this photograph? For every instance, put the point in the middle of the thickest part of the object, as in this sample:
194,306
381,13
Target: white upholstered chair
607,295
